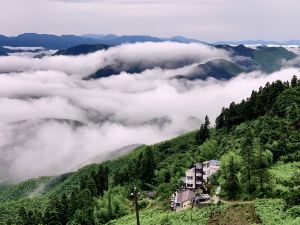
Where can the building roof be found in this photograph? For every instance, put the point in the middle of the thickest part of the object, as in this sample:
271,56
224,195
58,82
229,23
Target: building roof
212,162
184,196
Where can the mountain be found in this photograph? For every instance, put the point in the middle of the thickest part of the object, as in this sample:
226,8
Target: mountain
220,69
50,41
182,39
112,39
244,59
82,49
267,59
262,127
258,42
3,51
270,58
46,41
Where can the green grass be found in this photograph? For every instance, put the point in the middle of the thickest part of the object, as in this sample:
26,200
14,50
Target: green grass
154,216
283,173
272,212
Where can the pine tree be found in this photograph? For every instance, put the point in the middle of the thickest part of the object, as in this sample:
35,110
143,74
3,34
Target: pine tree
73,203
220,120
64,209
109,207
231,186
147,166
90,184
23,217
203,133
262,170
51,217
294,81
248,166
101,180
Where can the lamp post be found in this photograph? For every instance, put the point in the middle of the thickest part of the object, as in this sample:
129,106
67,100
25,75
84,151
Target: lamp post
135,194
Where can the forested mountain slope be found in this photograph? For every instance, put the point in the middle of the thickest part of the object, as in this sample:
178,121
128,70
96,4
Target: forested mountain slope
256,140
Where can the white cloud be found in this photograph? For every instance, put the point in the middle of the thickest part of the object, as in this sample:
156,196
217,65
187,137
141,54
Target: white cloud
51,120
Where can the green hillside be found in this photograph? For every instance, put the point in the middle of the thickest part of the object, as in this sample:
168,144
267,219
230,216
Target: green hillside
259,136
270,58
216,68
82,49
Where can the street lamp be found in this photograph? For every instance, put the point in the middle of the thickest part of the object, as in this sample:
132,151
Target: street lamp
135,194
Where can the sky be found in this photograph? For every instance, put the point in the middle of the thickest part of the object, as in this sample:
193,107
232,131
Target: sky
207,20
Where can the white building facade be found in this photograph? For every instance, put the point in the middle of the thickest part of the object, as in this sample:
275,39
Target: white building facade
200,173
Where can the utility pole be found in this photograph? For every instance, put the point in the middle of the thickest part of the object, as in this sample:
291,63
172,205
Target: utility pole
135,195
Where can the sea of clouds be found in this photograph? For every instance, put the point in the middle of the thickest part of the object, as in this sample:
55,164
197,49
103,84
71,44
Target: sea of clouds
52,120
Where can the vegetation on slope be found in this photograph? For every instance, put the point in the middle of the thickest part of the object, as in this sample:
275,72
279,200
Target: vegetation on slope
253,137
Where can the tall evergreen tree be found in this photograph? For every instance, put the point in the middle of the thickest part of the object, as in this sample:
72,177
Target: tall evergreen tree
91,185
294,81
203,133
231,186
248,156
74,202
64,210
51,217
262,170
23,217
101,180
147,166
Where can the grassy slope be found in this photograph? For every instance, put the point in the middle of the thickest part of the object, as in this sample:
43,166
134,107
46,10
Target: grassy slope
154,216
272,212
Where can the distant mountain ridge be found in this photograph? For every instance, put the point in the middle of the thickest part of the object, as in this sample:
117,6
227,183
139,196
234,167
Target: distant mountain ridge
258,42
82,49
266,59
113,39
66,41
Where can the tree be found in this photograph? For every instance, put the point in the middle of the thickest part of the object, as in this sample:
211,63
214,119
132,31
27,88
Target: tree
220,120
147,166
231,185
203,133
23,217
64,210
262,170
248,156
294,81
101,179
51,217
73,203
90,184
230,167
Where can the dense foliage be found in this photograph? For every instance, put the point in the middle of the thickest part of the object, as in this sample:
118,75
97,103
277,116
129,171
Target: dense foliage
256,140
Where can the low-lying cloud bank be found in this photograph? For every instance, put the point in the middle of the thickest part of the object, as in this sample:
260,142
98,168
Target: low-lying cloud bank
52,121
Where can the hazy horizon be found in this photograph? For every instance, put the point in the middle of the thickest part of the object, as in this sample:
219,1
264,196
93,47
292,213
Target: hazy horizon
204,20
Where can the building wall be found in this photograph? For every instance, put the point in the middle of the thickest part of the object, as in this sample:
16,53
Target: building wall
190,183
186,204
208,171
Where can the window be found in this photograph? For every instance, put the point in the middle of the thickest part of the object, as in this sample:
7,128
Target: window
189,185
189,177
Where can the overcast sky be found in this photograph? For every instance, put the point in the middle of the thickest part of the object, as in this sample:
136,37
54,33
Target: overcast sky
208,20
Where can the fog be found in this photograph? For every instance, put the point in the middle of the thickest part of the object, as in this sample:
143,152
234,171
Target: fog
52,121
